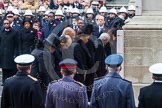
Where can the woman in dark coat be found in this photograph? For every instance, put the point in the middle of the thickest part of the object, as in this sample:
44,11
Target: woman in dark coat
8,50
84,53
28,38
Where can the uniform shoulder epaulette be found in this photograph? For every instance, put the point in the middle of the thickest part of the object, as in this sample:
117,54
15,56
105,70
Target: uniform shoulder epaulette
11,77
127,80
54,81
79,83
98,78
35,79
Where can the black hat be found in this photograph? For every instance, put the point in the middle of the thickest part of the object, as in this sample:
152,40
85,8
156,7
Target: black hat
27,20
53,40
63,39
87,30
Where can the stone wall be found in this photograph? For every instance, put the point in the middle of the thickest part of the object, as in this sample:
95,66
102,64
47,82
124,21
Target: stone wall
151,5
142,48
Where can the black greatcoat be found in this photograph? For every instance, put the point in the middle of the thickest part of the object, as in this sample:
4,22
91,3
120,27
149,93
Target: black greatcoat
84,55
22,91
27,40
38,69
150,96
8,48
100,56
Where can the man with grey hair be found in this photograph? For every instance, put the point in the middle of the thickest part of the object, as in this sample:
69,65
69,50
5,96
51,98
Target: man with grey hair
105,38
100,54
112,91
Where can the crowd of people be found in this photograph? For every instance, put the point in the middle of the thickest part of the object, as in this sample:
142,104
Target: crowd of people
83,31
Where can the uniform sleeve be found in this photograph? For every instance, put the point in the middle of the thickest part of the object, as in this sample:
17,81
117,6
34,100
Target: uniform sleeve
48,102
5,98
140,99
37,96
93,101
83,98
130,97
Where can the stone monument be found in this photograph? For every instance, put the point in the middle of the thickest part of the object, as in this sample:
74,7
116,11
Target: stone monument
140,42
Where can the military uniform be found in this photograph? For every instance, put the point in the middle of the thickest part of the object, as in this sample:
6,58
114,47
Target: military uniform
150,96
111,91
17,25
22,90
66,93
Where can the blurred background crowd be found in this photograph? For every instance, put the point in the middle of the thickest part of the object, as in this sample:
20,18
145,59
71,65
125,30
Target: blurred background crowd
86,27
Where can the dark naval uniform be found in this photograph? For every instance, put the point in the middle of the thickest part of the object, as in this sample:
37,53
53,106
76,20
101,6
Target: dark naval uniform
151,95
17,25
111,91
22,90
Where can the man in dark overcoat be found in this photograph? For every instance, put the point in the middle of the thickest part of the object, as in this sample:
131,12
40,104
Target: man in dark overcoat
8,50
150,96
22,90
38,69
100,54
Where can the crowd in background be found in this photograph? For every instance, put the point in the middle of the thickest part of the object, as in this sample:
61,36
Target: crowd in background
82,30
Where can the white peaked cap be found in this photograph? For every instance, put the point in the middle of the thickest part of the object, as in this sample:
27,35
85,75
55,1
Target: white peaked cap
59,12
42,8
70,9
95,3
89,11
24,59
131,7
113,10
103,9
10,8
156,68
16,12
123,10
28,12
47,12
75,10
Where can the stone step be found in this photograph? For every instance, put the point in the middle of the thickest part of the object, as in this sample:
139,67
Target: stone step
144,23
152,13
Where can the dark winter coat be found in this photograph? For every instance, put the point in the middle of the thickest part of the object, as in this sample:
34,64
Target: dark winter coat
27,40
8,48
100,56
22,91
